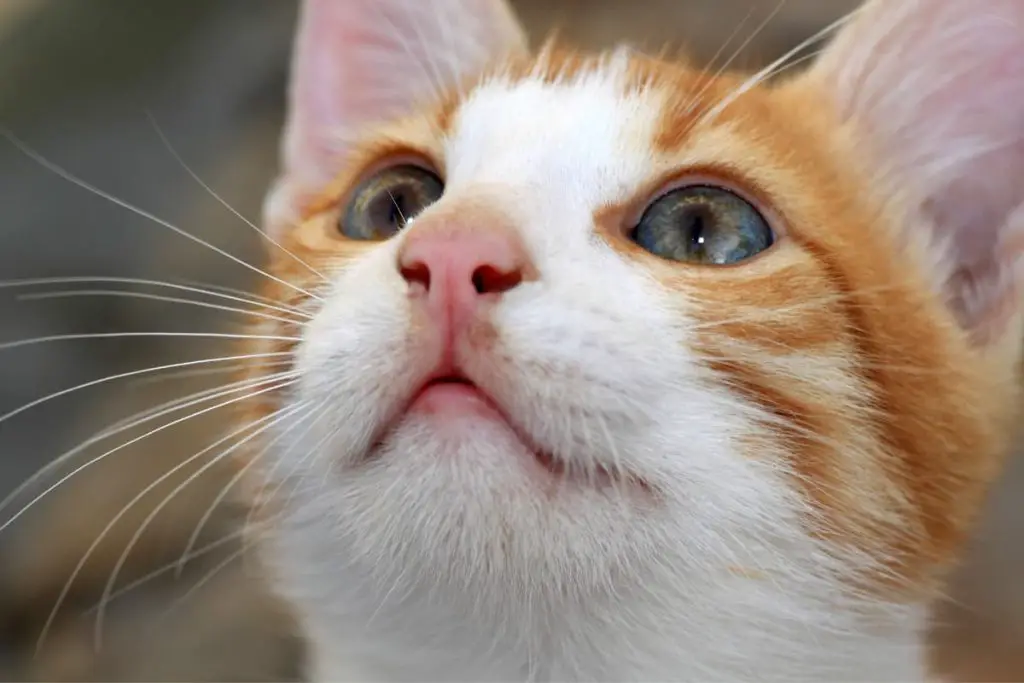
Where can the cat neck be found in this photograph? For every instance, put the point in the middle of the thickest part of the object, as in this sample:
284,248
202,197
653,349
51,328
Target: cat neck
357,633
895,655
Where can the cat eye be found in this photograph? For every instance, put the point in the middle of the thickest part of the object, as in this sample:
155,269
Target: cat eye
382,204
703,224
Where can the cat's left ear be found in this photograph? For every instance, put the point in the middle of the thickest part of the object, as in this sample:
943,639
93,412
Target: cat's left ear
361,62
935,90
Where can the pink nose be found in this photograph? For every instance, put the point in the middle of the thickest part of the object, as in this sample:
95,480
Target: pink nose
457,269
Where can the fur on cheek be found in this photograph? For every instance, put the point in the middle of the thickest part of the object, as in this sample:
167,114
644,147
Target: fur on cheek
451,533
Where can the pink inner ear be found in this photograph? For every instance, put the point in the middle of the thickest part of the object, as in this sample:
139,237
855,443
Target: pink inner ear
351,67
977,169
936,88
360,62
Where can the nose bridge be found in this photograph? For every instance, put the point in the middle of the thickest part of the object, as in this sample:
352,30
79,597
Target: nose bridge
472,212
468,228
461,252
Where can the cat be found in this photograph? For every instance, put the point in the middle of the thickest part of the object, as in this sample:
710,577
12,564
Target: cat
610,368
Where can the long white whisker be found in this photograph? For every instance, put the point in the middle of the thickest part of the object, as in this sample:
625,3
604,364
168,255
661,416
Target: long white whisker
754,315
75,180
728,41
60,482
146,578
242,473
218,568
135,421
206,290
253,510
189,400
38,296
761,75
205,372
616,458
398,208
737,52
205,186
782,68
120,335
264,424
250,296
135,373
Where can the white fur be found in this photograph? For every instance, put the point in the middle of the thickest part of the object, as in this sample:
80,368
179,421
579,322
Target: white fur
441,560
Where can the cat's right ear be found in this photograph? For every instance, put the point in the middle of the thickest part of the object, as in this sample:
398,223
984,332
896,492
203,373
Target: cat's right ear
933,93
360,62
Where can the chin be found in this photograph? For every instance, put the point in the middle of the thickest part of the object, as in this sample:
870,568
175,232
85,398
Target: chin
467,502
450,552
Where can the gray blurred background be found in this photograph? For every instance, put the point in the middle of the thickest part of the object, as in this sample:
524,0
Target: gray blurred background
82,82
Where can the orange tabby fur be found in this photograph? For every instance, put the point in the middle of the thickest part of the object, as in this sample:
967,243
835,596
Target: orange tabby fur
914,394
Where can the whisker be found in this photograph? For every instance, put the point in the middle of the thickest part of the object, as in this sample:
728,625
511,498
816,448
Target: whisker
398,208
28,506
238,476
728,41
255,298
121,335
743,354
75,180
782,68
737,52
205,372
267,422
204,394
197,288
135,421
226,205
135,373
210,575
847,299
387,596
38,296
159,571
760,76
264,498
616,456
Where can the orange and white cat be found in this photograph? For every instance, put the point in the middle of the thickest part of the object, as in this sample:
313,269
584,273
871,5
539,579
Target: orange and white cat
617,369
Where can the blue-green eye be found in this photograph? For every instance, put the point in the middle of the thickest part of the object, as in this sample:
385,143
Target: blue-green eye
382,204
703,224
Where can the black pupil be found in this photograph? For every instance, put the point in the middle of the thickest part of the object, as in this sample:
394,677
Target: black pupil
696,226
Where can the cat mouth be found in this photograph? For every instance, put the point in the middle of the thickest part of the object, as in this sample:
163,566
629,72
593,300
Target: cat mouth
454,395
450,395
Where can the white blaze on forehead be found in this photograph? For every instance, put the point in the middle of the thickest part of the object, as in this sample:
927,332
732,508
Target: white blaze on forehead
579,142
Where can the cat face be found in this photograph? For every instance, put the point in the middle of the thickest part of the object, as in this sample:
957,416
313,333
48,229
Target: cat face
614,348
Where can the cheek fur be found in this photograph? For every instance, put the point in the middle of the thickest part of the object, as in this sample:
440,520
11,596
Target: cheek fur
608,372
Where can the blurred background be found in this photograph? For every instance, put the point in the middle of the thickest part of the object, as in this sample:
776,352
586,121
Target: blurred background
92,85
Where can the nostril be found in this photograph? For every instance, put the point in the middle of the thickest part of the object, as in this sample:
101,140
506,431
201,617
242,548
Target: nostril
417,273
488,279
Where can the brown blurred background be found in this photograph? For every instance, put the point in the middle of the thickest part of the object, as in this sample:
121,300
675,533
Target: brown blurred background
80,79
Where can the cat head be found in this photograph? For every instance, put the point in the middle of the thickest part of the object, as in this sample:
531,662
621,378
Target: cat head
744,345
